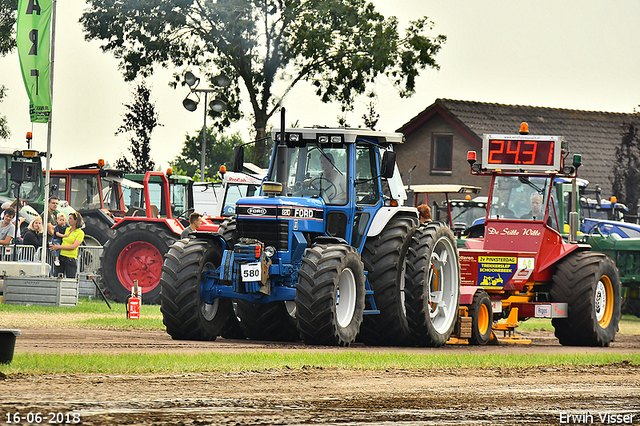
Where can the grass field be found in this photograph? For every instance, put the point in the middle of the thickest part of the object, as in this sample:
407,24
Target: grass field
94,314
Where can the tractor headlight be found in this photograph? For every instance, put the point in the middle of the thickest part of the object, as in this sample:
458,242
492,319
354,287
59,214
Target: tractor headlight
269,251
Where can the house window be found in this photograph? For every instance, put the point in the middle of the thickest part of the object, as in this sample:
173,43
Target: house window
441,153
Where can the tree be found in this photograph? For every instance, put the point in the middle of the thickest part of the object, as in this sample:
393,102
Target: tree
140,119
4,128
340,46
371,117
219,151
8,10
626,170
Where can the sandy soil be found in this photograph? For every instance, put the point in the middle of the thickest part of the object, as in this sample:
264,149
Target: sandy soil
541,395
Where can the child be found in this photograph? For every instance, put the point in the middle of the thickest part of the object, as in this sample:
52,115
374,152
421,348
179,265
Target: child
58,233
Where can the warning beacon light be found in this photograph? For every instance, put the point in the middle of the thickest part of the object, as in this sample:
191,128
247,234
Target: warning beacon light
471,157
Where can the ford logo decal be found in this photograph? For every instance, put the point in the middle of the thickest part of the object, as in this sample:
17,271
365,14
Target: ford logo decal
256,210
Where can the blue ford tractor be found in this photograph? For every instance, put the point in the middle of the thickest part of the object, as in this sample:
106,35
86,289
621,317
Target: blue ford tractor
328,254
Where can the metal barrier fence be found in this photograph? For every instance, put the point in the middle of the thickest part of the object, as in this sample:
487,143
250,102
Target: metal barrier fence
88,257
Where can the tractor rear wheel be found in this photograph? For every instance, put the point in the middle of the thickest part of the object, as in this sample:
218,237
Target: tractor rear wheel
385,260
330,295
135,253
432,285
184,313
273,321
229,232
589,283
481,318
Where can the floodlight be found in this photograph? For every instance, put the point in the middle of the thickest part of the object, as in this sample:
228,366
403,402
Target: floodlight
217,105
221,80
190,79
189,104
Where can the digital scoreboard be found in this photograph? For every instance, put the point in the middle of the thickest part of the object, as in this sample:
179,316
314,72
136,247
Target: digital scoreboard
521,152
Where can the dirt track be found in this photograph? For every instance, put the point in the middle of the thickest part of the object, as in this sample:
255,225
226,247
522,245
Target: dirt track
539,395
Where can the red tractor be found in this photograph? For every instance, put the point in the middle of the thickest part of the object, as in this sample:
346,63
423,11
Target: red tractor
140,240
95,192
522,267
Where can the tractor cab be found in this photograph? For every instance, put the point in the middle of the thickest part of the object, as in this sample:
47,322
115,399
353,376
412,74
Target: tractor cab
325,182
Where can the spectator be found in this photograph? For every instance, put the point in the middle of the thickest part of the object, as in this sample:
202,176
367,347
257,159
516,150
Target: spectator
195,222
425,213
33,235
53,215
58,233
21,220
7,230
69,247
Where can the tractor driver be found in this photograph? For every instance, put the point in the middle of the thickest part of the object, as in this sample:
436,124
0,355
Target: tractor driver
536,212
333,190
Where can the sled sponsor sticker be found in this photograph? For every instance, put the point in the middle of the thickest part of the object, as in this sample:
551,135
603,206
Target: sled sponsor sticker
525,268
495,271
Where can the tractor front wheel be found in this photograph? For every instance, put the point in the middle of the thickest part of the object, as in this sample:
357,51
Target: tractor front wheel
589,283
97,231
135,253
184,313
330,295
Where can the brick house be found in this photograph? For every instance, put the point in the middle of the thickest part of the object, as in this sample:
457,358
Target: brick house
450,128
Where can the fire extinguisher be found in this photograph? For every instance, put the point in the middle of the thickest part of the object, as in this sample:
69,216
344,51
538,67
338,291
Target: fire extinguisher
134,301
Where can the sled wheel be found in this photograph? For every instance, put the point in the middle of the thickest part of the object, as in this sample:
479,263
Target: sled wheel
482,318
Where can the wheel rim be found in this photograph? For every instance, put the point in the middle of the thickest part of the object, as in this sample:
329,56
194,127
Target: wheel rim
91,241
291,308
603,301
483,319
346,298
443,282
402,287
209,310
140,261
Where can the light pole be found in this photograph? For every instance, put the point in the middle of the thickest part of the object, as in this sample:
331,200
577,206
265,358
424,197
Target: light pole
217,105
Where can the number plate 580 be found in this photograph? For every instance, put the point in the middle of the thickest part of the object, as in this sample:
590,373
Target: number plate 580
251,272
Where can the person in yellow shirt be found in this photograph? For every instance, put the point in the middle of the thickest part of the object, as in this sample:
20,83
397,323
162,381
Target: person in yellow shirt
69,247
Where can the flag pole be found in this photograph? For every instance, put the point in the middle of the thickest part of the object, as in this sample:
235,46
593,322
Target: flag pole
47,180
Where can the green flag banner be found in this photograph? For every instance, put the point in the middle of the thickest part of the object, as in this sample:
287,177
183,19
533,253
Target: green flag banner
33,40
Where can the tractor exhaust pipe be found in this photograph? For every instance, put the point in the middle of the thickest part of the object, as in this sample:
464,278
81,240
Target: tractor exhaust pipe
573,215
281,152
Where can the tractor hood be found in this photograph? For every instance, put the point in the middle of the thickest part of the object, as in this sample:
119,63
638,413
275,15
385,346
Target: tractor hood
305,214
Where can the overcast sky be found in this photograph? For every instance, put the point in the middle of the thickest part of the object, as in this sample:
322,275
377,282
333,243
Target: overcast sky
577,54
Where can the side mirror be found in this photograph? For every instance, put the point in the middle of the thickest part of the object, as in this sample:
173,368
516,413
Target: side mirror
238,158
388,163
